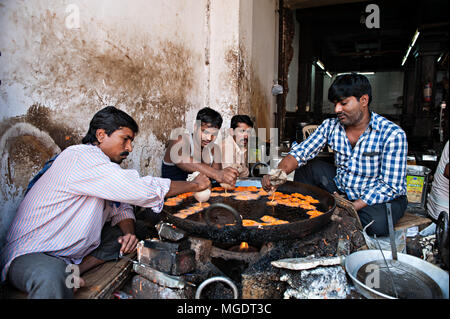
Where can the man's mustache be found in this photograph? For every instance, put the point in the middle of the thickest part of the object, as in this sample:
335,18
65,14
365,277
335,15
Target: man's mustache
125,153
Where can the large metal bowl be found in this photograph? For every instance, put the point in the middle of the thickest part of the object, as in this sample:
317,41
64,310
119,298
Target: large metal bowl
424,273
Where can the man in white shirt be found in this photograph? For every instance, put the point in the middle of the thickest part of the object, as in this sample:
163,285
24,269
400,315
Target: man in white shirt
438,197
79,212
234,146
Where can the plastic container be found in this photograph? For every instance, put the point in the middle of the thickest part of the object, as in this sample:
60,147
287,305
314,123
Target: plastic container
416,185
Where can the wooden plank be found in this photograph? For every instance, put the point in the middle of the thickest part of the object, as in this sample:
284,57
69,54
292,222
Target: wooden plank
104,279
409,220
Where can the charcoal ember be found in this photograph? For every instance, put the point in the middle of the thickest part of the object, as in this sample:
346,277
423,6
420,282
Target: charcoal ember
318,283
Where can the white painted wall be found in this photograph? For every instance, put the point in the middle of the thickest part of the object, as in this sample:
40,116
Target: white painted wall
292,96
265,56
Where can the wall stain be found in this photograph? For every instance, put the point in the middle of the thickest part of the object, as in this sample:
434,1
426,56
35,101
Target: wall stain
251,98
76,73
26,158
63,136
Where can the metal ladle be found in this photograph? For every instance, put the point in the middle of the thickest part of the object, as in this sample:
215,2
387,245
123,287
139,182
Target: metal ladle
393,246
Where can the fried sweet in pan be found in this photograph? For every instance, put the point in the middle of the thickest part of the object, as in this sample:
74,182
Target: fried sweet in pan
262,192
226,194
181,215
185,195
196,208
253,197
249,222
201,205
170,203
272,203
184,213
307,207
268,219
279,222
311,199
173,201
314,213
252,188
241,197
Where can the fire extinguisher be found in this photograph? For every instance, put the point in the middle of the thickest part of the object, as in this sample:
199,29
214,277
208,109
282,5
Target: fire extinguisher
427,92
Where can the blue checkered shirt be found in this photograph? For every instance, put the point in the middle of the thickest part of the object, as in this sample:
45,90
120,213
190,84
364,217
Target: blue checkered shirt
374,171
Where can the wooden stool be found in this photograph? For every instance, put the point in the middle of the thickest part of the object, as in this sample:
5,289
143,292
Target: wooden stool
410,220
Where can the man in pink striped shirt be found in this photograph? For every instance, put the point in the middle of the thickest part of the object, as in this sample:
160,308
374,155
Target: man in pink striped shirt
79,211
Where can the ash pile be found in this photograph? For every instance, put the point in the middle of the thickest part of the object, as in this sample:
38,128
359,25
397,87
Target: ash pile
341,236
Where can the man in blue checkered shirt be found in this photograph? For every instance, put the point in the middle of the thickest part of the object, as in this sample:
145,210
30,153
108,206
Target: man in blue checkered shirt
369,154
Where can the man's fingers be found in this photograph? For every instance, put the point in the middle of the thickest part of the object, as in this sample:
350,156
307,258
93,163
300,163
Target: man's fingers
129,243
124,241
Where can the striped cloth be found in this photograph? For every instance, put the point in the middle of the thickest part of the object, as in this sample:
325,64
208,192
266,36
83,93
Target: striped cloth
374,171
64,212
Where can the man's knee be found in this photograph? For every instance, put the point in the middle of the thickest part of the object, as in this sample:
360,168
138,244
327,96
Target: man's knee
378,214
41,276
52,283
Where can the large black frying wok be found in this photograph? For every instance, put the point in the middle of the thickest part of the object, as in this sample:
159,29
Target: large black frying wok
211,222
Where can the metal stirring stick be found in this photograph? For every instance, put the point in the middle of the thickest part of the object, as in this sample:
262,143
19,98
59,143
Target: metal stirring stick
389,271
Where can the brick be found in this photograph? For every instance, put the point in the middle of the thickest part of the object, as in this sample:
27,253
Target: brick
166,246
202,248
184,262
170,232
169,261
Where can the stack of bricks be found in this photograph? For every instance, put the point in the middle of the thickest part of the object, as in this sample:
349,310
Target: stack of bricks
162,264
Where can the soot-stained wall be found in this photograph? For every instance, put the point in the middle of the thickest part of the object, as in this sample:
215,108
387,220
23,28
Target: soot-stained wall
160,61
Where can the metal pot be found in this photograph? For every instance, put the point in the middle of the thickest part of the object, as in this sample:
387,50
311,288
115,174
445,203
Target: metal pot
379,274
414,278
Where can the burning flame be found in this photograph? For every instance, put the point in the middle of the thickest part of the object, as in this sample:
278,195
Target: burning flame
243,246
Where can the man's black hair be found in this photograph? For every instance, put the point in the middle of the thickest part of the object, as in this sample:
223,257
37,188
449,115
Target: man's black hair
347,85
240,119
110,119
209,116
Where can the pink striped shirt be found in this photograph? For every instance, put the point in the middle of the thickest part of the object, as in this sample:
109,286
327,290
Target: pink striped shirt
64,213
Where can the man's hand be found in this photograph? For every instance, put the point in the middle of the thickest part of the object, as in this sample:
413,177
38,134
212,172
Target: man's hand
275,178
228,176
129,243
265,183
357,204
202,182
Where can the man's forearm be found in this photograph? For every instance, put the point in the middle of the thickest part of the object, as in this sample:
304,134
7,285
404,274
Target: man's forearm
126,226
359,204
288,164
180,187
200,167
